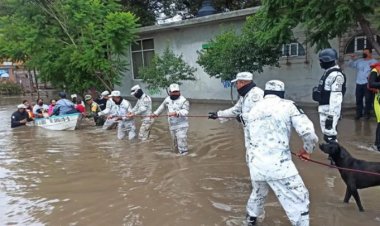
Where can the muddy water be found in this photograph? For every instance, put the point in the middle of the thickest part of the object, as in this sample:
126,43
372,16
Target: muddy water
88,177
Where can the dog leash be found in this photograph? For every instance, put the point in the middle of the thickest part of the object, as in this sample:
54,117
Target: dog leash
337,167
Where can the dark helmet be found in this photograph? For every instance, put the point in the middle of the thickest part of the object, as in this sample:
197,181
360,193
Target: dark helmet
328,55
62,94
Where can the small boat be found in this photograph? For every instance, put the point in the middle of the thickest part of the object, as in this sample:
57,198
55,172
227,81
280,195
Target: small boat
61,122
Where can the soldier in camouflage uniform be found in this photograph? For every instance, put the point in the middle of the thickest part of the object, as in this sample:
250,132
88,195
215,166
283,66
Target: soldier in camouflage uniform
178,109
109,110
125,124
143,107
269,158
329,94
250,94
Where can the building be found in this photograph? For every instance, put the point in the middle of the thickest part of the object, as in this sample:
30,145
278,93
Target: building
299,66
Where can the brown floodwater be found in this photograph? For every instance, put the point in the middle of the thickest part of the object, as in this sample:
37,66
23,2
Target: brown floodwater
88,177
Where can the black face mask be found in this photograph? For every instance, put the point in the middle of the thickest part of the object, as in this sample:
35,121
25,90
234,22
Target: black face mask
280,94
118,102
365,55
138,93
174,97
327,65
40,103
245,89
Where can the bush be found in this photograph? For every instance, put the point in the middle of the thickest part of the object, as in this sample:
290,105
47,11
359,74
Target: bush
10,88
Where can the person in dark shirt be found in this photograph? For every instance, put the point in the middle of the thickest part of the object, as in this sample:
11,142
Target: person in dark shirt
20,117
102,101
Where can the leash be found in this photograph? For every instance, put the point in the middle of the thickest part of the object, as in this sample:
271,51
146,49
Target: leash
189,116
337,167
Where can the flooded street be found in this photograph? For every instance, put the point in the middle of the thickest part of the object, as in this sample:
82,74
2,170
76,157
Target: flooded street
88,177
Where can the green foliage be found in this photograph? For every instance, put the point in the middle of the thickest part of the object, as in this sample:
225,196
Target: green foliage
10,88
321,19
166,69
76,44
230,53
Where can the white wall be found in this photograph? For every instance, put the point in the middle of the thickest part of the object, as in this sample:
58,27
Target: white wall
299,77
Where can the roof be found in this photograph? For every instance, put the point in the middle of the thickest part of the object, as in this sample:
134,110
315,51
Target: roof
215,18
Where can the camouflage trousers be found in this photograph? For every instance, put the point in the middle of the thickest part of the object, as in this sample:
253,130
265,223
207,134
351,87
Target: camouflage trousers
179,137
124,127
292,194
109,124
145,127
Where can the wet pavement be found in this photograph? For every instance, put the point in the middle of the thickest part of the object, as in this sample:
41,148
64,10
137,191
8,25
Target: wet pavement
88,177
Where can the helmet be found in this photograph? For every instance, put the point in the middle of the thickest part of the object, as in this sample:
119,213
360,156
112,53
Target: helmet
62,94
328,55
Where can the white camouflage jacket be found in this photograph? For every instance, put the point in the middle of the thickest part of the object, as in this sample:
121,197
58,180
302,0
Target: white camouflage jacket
109,108
270,124
122,110
334,83
181,106
243,106
143,106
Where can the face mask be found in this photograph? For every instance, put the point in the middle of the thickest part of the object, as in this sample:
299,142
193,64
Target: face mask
40,103
174,97
138,93
280,94
365,55
245,89
327,65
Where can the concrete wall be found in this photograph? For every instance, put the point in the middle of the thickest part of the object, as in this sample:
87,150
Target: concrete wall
300,74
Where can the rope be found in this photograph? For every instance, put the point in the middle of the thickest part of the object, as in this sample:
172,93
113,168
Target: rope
337,167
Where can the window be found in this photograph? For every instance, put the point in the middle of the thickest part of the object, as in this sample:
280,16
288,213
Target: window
292,49
359,43
142,55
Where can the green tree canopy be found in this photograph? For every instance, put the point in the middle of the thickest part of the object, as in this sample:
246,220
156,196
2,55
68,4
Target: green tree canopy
75,44
321,19
165,70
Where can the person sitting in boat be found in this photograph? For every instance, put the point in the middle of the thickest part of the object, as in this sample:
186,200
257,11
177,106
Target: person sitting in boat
94,109
40,108
20,117
102,100
75,98
64,106
51,106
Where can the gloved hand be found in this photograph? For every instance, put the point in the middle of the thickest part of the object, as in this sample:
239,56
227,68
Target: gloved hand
212,115
329,122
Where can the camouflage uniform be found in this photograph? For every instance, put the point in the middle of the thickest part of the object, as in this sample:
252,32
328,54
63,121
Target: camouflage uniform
269,158
334,83
243,106
179,125
125,124
109,110
143,107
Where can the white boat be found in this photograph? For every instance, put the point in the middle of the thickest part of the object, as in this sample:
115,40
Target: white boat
61,122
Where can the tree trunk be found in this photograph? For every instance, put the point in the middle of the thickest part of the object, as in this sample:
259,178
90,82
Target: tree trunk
232,95
31,81
36,81
364,24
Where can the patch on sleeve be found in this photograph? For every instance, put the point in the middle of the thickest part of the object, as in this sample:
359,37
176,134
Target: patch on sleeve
299,109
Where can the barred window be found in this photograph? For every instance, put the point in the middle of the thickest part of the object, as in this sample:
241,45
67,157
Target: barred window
292,49
359,43
142,55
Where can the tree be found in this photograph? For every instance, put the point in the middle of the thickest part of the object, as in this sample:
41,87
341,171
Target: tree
322,20
76,44
230,53
165,70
